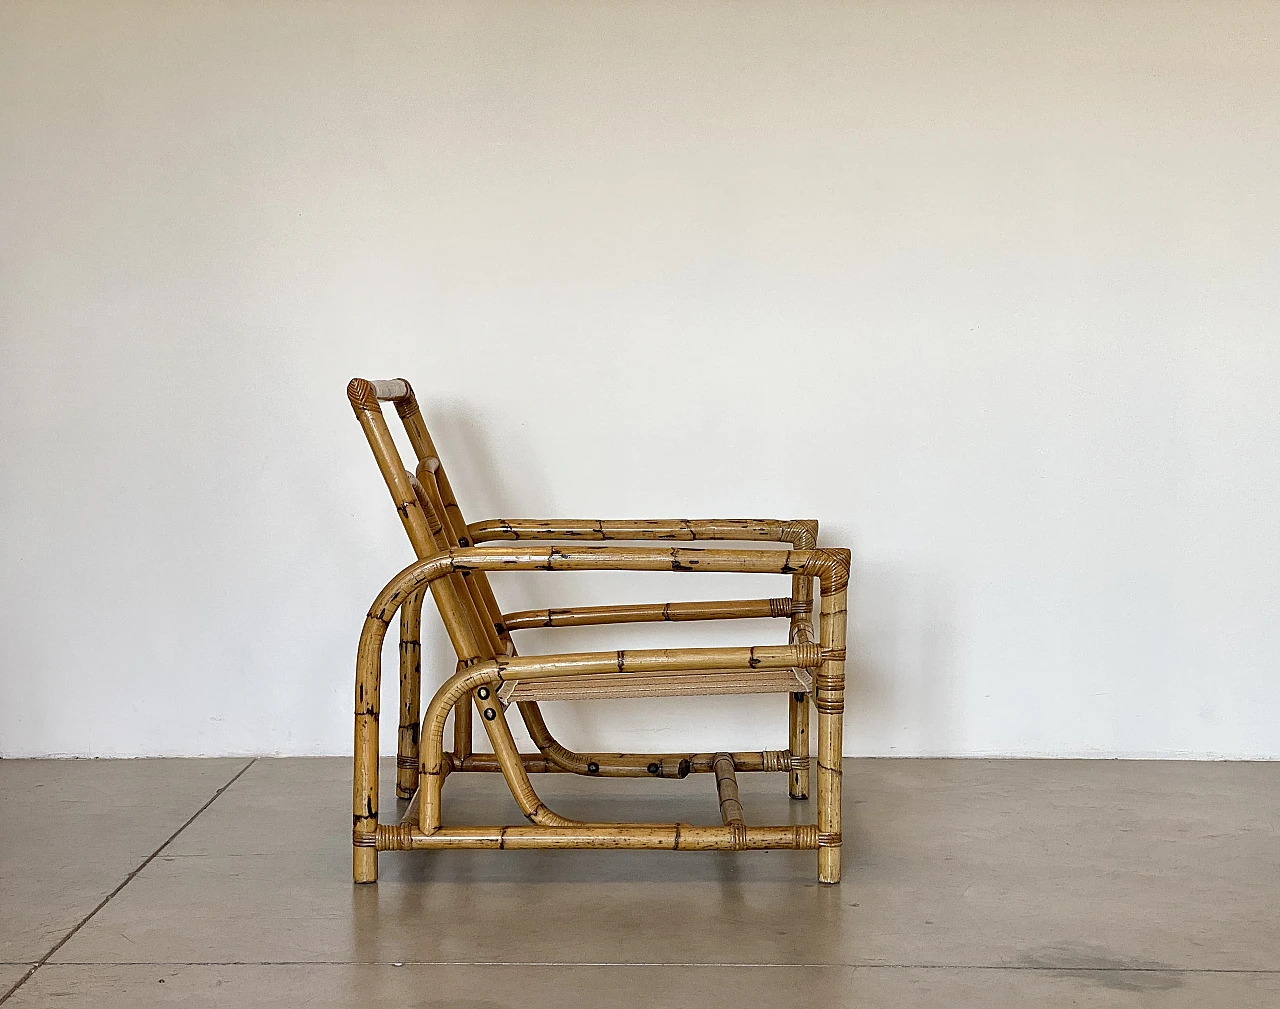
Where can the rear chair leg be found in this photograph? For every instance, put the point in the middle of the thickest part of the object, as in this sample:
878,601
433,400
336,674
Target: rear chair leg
798,744
798,702
410,696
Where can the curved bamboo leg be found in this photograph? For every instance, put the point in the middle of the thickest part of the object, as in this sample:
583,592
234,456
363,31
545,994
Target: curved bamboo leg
462,729
364,800
558,754
829,700
410,696
481,682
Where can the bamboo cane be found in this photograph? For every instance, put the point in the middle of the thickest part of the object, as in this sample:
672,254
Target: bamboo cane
798,703
645,836
581,616
727,790
633,765
410,696
829,700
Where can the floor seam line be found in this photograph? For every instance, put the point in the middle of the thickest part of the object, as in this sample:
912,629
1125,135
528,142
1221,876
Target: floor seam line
125,882
602,963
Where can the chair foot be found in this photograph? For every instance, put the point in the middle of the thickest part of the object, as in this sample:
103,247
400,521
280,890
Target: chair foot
828,865
364,865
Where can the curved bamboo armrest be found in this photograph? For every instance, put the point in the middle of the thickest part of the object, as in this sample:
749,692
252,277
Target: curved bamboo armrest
801,533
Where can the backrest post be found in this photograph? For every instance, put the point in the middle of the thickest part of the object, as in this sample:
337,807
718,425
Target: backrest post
364,402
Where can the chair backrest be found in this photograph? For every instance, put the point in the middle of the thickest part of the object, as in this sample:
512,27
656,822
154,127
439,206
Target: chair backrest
431,516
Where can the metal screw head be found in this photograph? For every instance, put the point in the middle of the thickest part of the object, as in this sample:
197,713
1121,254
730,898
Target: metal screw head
654,768
490,714
483,693
593,768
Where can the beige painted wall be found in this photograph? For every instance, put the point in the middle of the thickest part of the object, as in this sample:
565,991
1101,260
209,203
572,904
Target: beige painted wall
1023,257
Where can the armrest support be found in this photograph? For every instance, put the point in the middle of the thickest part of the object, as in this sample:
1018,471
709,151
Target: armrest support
581,616
801,533
831,566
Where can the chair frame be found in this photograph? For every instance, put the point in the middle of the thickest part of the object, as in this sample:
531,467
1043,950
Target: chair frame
453,569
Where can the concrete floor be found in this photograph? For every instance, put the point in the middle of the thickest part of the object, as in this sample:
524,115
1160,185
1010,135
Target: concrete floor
967,883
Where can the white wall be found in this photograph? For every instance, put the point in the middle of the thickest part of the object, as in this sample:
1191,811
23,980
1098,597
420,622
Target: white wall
990,288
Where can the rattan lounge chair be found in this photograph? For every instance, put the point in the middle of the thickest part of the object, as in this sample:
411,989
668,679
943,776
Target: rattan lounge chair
491,675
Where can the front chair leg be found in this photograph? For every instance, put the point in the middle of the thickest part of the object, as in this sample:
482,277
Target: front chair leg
364,800
829,700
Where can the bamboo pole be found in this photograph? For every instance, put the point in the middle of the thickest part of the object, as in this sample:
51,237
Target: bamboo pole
632,765
410,695
727,790
829,700
612,558
801,630
645,836
652,660
581,616
743,530
688,683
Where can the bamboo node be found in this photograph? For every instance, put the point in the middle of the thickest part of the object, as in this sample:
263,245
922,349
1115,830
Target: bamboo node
829,839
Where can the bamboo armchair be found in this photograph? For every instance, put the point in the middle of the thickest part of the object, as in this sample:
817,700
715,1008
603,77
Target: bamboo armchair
490,674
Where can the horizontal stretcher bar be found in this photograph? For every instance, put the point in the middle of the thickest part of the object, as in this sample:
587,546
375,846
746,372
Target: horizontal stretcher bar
796,532
644,836
636,765
680,684
580,616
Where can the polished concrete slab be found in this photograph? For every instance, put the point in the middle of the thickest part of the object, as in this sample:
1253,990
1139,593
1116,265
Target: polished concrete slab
655,987
966,882
72,830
